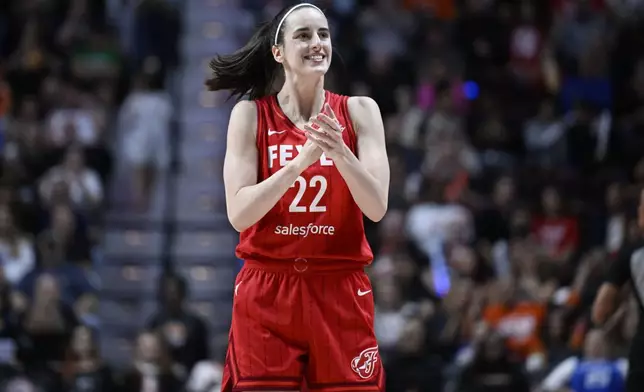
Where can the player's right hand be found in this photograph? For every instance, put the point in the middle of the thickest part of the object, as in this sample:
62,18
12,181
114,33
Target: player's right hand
309,155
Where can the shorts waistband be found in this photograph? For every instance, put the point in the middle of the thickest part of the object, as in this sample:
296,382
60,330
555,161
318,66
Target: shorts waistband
302,265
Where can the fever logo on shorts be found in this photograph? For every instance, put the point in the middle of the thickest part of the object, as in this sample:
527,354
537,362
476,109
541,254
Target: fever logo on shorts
365,364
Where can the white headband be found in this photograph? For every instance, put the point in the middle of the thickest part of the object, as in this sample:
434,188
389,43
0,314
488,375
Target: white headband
279,26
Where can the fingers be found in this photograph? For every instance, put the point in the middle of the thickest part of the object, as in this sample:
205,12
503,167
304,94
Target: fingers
327,126
324,120
320,144
323,133
324,130
319,137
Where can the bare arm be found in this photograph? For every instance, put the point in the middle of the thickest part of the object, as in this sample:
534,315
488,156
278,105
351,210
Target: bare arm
247,201
616,320
618,274
367,176
604,304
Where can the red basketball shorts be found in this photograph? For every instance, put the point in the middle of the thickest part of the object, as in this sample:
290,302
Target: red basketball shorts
302,321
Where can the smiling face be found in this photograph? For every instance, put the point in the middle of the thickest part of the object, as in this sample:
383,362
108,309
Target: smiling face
304,44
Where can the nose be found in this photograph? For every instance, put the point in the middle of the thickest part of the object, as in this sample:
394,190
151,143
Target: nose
316,42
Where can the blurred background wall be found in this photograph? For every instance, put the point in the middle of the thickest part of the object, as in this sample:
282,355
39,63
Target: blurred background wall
515,132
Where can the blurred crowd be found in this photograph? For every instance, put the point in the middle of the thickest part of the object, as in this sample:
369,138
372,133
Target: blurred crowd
514,130
77,80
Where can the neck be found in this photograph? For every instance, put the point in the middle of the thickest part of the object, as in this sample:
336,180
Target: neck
301,100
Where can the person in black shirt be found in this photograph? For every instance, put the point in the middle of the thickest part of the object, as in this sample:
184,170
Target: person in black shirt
84,370
628,267
185,332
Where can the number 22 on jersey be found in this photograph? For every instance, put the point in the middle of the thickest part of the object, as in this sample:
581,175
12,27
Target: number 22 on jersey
317,184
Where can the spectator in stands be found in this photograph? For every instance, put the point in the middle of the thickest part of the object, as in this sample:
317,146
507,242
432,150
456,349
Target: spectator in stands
17,251
84,370
556,231
75,280
493,369
608,226
48,321
527,42
185,332
65,239
493,217
544,137
73,120
575,372
517,314
11,333
415,364
29,61
450,222
575,31
144,122
152,369
83,183
452,325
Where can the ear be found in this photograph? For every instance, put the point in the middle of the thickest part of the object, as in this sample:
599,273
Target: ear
278,53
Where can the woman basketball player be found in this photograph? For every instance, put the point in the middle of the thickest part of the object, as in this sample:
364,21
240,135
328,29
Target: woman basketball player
301,169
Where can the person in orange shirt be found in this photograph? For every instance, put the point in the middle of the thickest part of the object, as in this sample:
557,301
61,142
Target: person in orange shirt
519,319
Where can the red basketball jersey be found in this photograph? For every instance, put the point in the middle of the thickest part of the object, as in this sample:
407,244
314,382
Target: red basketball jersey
316,219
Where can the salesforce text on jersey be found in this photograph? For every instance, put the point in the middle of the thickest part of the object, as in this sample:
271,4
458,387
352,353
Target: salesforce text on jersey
304,231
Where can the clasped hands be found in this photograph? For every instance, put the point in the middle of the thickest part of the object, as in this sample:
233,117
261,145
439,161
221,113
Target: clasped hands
325,132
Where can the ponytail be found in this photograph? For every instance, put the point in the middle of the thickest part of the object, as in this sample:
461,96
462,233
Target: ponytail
250,70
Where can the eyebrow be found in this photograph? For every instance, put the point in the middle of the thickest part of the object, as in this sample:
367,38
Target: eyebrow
302,29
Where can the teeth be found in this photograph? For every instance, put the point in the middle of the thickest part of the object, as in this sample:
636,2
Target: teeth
316,57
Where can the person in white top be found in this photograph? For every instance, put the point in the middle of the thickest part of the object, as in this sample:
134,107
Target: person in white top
144,128
16,250
84,184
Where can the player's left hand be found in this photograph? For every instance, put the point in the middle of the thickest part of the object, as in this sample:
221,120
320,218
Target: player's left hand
326,132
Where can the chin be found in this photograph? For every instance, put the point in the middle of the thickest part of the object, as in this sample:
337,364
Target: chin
318,70
313,68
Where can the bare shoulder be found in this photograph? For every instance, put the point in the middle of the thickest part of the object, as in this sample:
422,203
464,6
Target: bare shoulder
245,107
243,121
365,114
361,107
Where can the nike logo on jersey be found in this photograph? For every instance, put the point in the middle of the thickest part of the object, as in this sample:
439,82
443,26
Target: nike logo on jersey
237,288
363,293
271,132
